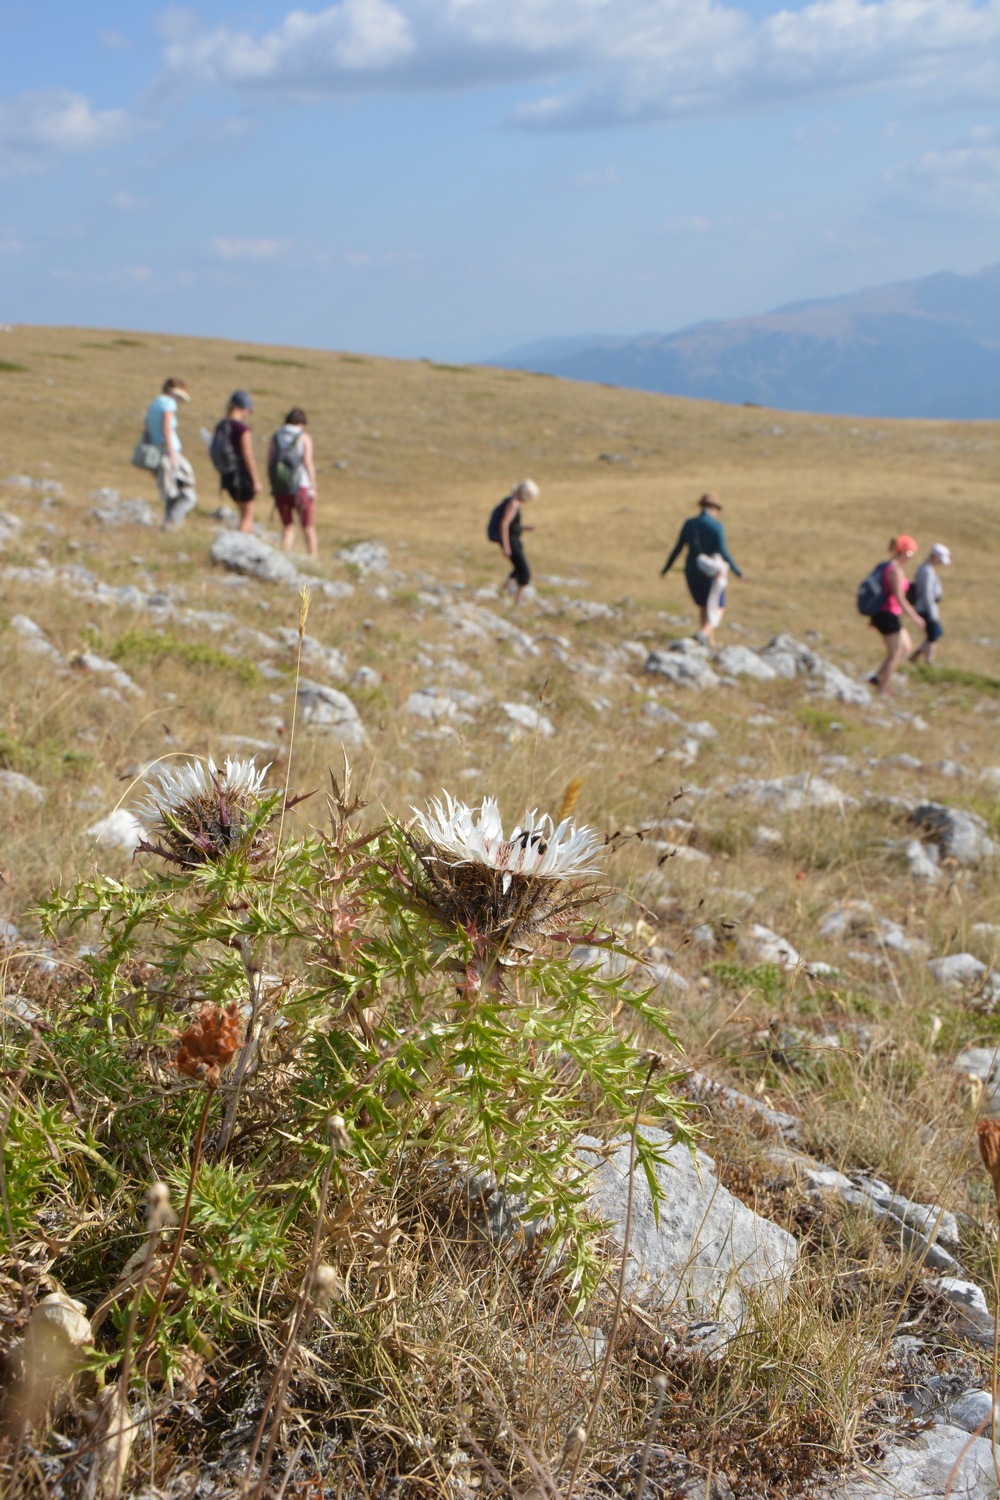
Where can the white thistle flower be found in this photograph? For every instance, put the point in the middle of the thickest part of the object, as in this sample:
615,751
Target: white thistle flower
504,885
201,812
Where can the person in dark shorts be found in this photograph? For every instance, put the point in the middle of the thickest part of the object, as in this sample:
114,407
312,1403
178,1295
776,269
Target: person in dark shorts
704,537
292,471
506,527
888,618
242,483
925,596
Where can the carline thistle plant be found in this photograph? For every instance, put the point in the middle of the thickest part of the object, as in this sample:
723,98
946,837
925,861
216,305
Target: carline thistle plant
500,889
200,813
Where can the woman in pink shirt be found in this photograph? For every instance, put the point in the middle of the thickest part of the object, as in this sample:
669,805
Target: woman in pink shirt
888,620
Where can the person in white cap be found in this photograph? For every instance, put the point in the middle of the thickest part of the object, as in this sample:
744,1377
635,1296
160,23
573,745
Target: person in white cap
926,595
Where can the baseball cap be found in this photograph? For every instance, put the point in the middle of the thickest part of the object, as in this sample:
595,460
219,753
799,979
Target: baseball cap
905,543
942,554
242,399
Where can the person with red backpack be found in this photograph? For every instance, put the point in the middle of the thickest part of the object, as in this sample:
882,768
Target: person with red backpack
882,597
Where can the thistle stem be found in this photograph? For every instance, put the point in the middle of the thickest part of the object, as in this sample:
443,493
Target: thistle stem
246,1051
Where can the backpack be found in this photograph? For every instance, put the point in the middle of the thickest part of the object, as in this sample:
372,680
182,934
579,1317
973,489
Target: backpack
496,516
871,591
221,450
284,467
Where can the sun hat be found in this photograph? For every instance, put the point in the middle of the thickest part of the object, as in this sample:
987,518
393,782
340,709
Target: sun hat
941,554
528,489
242,399
905,543
710,501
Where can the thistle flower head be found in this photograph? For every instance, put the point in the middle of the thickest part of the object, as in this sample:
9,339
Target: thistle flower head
201,812
503,886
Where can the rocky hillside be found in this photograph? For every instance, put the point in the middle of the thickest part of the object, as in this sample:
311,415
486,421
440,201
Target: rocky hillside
792,952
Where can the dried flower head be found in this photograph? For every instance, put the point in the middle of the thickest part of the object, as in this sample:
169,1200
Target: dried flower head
201,813
501,886
209,1043
988,1132
159,1214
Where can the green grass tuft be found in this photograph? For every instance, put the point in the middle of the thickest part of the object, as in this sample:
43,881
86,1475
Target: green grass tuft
264,359
957,675
150,645
8,367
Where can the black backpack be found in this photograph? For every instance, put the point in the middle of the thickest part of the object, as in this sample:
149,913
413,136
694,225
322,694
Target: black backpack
221,450
496,516
871,591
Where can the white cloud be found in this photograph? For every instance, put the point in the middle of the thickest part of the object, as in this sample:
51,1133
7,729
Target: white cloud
250,249
38,128
963,179
627,60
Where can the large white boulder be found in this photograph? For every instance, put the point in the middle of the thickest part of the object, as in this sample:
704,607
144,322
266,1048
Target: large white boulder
242,553
706,1251
740,661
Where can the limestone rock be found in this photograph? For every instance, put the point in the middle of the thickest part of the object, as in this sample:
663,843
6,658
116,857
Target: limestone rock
707,1249
242,553
367,557
112,510
963,836
740,661
120,830
963,971
790,793
327,711
973,1412
35,641
919,1467
683,662
526,717
89,661
766,947
13,784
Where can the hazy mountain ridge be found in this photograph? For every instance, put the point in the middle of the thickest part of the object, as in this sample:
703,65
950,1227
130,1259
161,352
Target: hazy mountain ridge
927,348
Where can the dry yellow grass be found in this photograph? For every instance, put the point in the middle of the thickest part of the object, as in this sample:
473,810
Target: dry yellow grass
428,450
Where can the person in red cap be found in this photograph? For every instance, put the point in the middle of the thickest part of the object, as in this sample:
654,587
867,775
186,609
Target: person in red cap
888,618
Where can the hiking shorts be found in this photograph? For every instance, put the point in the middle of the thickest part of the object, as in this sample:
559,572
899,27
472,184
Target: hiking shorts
700,586
934,629
886,623
300,504
238,486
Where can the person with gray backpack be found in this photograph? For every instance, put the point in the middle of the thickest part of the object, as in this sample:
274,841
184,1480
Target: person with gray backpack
291,469
160,451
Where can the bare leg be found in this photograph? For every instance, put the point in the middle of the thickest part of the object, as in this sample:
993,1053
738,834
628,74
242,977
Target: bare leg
707,630
246,517
312,541
288,537
897,648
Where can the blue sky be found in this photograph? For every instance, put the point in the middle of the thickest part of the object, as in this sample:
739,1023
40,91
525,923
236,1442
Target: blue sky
456,177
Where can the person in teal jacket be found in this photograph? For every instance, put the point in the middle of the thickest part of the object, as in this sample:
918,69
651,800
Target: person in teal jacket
703,535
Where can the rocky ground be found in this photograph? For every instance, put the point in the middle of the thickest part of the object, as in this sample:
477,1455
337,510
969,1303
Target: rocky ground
804,874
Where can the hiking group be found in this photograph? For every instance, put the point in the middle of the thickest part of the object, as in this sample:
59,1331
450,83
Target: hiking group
291,466
885,596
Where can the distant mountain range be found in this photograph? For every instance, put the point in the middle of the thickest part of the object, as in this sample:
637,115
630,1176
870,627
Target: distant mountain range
928,348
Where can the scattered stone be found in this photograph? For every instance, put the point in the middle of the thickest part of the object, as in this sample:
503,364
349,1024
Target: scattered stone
431,703
923,860
973,1412
920,1467
853,919
768,838
964,972
963,836
120,830
705,1249
366,677
331,589
683,662
704,1090
526,717
962,1294
766,947
740,661
112,510
315,655
986,932
89,661
13,784
332,713
242,553
10,528
367,557
661,714
35,641
790,793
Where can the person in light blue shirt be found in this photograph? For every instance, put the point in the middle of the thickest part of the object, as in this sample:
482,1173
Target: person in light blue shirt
175,476
704,537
